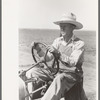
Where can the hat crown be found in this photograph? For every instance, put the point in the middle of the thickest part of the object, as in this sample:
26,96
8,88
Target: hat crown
69,16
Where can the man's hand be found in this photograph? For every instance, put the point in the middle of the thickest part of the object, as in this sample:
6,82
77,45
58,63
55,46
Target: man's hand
54,51
36,46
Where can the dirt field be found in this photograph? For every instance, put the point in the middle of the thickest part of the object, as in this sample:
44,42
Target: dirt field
89,66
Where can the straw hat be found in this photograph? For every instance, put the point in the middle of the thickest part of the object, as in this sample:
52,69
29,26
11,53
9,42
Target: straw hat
69,18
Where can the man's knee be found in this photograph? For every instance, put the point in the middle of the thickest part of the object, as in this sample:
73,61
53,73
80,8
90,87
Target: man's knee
59,77
28,74
31,73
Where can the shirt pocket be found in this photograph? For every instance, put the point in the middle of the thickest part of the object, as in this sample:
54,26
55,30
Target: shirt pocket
68,50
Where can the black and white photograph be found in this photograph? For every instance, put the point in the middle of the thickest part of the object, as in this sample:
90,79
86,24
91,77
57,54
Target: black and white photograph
57,49
57,43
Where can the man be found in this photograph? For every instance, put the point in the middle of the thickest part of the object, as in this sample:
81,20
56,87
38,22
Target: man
70,51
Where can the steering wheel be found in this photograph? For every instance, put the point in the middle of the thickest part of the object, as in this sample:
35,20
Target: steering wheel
52,66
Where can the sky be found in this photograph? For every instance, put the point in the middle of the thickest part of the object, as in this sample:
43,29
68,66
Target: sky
42,13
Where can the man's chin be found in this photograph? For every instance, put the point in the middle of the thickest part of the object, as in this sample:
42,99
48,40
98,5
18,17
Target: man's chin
63,34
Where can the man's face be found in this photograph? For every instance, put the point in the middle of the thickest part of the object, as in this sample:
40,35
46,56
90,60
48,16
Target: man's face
66,28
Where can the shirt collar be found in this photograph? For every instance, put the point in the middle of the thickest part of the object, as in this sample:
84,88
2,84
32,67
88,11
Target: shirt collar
73,37
70,40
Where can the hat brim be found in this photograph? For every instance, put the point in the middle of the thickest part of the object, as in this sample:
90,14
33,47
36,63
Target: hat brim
77,24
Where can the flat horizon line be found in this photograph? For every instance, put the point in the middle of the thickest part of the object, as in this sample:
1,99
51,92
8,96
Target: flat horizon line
52,29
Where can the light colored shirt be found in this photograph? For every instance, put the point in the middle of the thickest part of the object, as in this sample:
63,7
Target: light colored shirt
72,52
